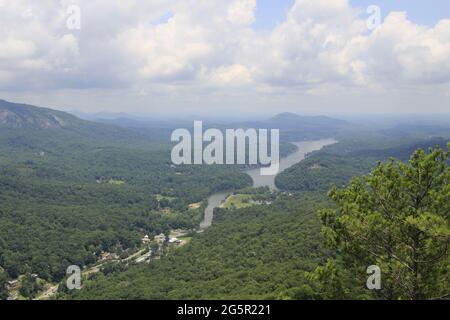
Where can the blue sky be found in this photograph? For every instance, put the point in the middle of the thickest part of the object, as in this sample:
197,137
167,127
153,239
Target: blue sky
426,12
271,12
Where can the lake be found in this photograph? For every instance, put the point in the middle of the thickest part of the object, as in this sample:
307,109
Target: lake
304,147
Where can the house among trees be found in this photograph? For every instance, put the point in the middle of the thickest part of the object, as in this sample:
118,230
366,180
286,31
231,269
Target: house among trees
146,239
13,284
160,238
174,241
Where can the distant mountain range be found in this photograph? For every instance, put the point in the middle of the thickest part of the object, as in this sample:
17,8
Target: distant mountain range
35,123
293,120
293,127
16,115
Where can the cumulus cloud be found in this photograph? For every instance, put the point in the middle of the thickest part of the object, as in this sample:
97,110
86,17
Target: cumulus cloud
321,43
400,51
242,12
211,44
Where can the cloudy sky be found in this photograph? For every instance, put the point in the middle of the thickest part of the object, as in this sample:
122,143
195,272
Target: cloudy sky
227,56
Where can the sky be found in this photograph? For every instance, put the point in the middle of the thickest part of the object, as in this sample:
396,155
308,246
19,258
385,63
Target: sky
227,57
269,13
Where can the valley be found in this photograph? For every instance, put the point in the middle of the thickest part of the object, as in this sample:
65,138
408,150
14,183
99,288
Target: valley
108,198
261,181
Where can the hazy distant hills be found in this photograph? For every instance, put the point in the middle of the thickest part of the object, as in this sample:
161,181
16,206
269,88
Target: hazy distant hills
26,125
24,116
296,127
293,127
127,127
16,115
292,120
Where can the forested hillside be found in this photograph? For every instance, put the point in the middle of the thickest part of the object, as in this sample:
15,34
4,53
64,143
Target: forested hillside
260,252
337,164
71,189
277,251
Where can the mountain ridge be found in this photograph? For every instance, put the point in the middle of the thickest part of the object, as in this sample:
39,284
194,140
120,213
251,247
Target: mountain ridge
289,117
19,115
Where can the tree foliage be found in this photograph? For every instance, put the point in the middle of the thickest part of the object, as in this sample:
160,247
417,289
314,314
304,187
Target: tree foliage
397,218
67,196
259,252
3,283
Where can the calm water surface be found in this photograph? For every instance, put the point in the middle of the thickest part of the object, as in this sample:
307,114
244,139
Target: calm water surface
304,147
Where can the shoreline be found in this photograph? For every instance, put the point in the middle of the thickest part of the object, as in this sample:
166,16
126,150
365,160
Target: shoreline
303,149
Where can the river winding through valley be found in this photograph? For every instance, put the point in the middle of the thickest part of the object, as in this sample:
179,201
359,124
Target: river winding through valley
304,147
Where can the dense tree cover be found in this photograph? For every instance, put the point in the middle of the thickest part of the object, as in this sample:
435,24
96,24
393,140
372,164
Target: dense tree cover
398,218
66,196
69,193
47,155
260,252
320,171
3,283
337,164
30,286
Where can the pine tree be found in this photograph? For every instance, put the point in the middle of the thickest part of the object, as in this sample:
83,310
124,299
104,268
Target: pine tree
397,218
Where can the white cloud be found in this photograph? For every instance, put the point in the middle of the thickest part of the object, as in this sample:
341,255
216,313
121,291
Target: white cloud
242,12
404,53
16,49
323,46
234,75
